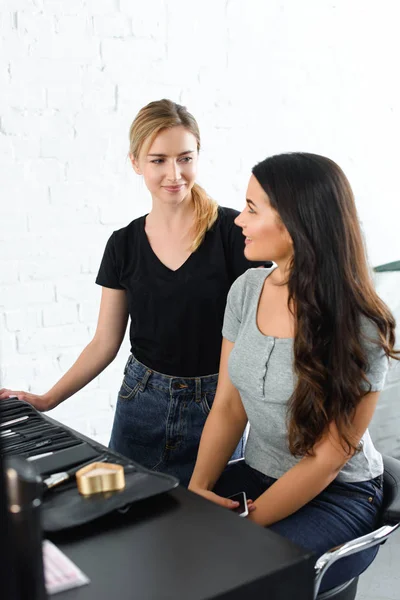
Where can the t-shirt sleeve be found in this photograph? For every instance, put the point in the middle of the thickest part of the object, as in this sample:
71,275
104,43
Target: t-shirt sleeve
108,275
378,363
234,309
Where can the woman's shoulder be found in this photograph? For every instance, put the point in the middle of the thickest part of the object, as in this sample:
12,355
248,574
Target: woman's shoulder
369,330
248,285
130,231
226,216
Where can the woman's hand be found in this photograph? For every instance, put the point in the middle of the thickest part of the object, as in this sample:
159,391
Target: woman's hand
41,403
220,500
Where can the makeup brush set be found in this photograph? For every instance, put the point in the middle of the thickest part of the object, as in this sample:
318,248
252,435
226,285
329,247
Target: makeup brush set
82,480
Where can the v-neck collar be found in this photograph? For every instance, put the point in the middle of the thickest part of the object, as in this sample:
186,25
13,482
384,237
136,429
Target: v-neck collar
154,256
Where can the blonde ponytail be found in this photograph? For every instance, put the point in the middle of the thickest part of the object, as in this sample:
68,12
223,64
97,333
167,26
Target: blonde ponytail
206,213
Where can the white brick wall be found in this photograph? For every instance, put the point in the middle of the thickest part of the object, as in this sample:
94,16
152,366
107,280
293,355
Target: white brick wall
261,77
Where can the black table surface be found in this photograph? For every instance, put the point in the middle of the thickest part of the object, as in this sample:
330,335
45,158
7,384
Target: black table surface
179,546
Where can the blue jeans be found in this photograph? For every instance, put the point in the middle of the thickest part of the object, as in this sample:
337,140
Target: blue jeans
341,512
159,419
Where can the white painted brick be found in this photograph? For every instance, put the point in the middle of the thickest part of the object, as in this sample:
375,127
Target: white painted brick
60,218
26,294
45,71
27,195
212,53
59,7
82,405
89,311
44,170
44,123
101,7
8,268
79,424
82,288
10,171
52,338
85,49
118,214
7,24
56,244
77,25
64,193
65,358
29,373
104,438
85,194
6,147
44,377
33,24
8,344
92,124
16,5
23,318
58,148
150,20
90,265
92,330
88,170
95,75
15,46
100,425
25,147
112,25
44,268
17,376
102,97
60,313
12,221
64,97
123,59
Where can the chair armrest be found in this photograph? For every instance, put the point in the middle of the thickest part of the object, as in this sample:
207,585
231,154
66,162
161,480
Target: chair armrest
362,543
391,491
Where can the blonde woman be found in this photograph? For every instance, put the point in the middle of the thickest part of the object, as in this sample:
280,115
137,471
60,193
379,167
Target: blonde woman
169,272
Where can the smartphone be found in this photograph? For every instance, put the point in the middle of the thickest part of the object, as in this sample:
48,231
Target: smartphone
242,510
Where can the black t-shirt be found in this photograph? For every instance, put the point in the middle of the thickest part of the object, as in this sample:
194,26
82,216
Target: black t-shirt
176,316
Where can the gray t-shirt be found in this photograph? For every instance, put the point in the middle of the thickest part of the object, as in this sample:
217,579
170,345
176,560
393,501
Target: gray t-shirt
261,368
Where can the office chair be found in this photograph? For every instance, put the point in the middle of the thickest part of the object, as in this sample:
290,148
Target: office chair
389,522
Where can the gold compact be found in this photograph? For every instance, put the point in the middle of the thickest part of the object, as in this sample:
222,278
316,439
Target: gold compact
100,477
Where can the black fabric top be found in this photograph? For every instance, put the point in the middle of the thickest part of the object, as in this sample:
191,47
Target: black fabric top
176,316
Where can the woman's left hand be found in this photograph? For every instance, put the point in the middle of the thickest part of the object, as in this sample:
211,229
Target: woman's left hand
220,500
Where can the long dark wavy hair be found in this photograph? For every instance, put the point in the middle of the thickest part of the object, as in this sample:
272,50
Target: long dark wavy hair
330,288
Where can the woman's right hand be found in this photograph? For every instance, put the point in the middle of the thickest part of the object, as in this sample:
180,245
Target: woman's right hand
41,403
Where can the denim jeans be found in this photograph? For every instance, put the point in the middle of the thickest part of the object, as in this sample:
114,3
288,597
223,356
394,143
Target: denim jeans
159,419
341,512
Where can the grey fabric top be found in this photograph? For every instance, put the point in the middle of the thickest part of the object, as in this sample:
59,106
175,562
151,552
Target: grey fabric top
261,368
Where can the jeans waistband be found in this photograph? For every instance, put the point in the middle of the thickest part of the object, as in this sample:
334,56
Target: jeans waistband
135,368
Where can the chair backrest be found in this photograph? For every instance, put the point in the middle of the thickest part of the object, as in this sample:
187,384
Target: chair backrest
391,491
390,520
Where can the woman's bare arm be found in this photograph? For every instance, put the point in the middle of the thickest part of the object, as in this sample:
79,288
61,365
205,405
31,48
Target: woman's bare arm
221,434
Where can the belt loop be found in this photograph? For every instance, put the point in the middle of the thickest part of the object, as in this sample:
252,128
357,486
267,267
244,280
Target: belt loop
198,389
144,381
128,362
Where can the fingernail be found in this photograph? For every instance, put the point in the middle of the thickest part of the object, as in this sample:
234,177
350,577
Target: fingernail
234,503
